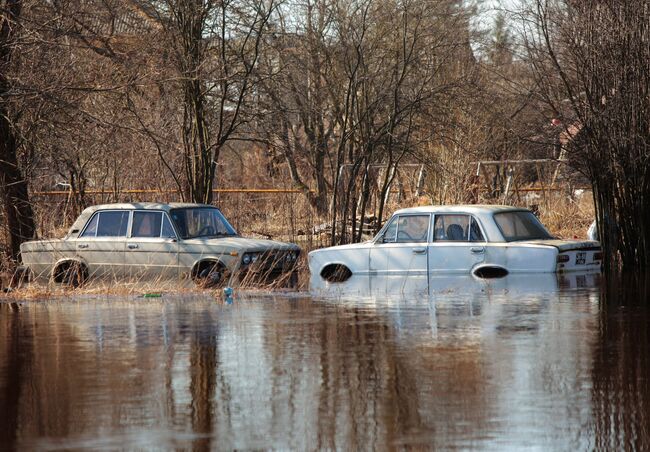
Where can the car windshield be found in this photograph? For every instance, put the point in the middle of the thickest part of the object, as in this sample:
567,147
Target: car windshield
521,225
201,222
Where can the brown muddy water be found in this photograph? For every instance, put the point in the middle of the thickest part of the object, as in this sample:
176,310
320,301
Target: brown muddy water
377,363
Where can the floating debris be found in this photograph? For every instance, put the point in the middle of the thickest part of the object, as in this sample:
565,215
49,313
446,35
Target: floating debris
227,294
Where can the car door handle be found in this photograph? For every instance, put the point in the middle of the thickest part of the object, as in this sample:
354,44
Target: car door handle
477,249
82,246
132,246
419,250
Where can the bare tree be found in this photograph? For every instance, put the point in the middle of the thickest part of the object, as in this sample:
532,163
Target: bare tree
592,62
359,85
216,47
301,78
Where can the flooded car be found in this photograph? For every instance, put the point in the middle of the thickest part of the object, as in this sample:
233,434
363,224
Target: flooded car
486,241
151,240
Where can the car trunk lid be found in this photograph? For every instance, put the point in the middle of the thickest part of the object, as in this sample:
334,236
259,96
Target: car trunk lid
568,245
575,255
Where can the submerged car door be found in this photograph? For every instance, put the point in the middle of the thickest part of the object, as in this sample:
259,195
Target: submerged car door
458,244
152,246
101,243
402,248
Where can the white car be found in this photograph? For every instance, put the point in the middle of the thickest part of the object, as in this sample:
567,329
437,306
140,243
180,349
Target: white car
486,241
152,241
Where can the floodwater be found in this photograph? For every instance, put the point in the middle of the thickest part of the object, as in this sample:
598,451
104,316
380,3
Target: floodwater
377,363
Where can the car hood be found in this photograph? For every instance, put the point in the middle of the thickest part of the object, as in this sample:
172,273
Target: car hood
247,244
566,245
350,246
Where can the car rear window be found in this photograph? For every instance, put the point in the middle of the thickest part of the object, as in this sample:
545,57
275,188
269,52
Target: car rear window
520,225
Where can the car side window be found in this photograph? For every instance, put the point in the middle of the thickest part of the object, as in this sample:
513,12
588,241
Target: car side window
390,232
413,228
91,229
457,228
167,228
146,224
112,224
107,224
451,228
475,234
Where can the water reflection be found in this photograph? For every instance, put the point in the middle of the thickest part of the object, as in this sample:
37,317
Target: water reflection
621,365
409,286
381,363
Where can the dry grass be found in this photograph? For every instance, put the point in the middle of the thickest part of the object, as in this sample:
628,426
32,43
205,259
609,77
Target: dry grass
296,281
568,218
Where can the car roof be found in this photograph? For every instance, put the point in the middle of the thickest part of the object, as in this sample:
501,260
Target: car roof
476,209
144,206
76,227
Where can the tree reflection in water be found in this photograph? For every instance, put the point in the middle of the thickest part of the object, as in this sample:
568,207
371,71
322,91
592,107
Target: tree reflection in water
621,369
14,368
384,363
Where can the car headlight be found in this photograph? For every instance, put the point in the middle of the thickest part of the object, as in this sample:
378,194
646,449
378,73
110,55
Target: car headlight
249,258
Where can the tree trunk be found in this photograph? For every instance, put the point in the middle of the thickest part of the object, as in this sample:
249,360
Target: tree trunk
18,211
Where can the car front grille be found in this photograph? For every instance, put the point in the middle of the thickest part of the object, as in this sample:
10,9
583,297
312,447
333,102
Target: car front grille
273,266
276,261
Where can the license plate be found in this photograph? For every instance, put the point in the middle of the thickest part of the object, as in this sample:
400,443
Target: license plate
581,257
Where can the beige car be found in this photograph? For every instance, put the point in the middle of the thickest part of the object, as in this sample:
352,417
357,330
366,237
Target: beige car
150,240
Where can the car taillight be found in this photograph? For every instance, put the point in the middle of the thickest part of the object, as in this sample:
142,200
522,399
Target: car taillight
598,256
562,258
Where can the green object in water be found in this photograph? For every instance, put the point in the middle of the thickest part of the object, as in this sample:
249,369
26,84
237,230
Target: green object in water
152,295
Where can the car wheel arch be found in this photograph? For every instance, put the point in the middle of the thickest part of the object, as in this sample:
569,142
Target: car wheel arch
489,271
335,272
206,261
206,264
62,266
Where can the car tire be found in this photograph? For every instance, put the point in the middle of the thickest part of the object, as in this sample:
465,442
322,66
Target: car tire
74,275
293,280
210,276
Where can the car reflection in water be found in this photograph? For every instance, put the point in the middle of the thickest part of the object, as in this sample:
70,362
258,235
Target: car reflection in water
459,300
408,286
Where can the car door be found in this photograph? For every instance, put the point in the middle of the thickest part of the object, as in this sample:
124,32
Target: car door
402,248
458,243
151,246
101,243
